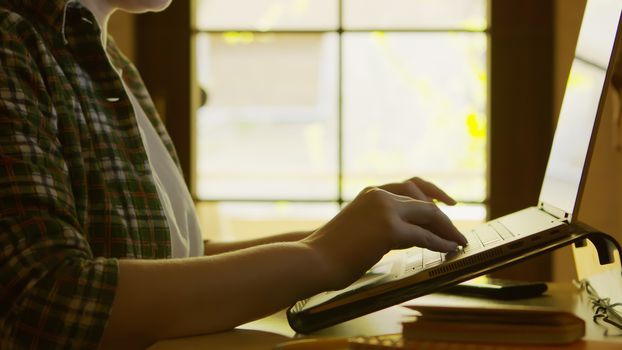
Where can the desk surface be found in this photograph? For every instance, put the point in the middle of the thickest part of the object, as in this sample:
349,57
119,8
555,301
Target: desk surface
269,331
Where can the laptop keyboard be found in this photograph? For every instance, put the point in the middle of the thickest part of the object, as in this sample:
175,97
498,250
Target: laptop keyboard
483,236
486,235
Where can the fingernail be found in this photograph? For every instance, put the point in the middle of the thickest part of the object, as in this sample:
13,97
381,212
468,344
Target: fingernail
464,240
454,246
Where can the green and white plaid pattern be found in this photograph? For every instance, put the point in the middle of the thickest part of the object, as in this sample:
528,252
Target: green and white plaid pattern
76,191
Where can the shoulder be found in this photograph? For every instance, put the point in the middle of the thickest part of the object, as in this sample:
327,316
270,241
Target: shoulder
23,92
14,26
11,26
9,17
19,40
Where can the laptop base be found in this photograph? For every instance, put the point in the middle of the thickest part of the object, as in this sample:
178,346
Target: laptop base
304,322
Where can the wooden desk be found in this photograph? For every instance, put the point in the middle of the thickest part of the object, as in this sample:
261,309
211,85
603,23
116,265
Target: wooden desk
269,331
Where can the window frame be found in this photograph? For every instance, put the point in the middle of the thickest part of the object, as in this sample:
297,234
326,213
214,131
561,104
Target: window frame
520,95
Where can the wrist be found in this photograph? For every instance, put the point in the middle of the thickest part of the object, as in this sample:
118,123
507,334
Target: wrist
329,263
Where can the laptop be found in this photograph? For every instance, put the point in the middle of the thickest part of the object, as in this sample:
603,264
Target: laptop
403,275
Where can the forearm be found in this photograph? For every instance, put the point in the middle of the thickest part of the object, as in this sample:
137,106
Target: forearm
212,248
173,298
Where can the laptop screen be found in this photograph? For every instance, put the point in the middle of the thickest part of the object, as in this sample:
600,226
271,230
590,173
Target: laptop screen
580,105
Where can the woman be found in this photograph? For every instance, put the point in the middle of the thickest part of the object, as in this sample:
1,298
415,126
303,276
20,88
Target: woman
100,242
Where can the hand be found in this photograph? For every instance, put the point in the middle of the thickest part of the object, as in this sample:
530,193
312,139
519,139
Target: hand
418,188
380,219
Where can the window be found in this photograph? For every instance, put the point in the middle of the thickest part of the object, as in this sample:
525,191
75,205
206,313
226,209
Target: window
519,127
306,102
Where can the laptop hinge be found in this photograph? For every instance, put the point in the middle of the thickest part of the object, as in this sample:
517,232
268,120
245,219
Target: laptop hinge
556,212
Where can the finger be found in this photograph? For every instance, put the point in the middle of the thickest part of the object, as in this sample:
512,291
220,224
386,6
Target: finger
413,235
430,217
408,189
433,191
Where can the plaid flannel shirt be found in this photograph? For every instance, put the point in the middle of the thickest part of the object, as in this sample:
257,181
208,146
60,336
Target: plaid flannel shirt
76,191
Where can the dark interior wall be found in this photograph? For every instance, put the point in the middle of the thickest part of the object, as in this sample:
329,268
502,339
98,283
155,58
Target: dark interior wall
122,28
521,110
164,56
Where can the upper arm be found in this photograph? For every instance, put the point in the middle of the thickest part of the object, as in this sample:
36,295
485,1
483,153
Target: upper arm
53,292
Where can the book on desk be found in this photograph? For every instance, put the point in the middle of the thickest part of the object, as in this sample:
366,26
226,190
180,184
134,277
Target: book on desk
514,325
445,327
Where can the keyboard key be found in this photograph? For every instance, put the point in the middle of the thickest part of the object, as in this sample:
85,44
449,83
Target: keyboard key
414,262
501,229
413,251
431,258
471,247
452,255
473,242
471,237
487,235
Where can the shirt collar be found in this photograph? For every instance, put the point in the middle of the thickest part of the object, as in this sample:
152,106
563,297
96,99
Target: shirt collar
72,22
